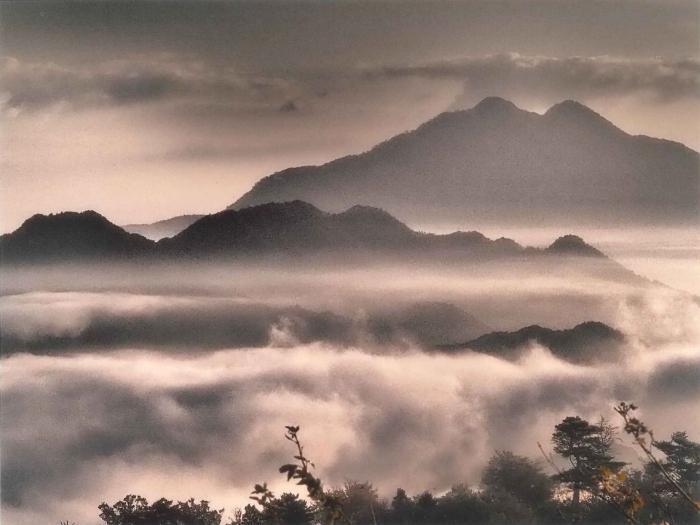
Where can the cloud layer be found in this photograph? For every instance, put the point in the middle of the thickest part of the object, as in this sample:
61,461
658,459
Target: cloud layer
54,323
76,428
28,86
36,85
580,77
86,427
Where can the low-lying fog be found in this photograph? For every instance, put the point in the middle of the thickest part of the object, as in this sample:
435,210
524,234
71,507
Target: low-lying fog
178,382
669,255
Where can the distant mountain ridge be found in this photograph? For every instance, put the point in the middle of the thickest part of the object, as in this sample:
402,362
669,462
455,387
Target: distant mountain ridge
498,163
289,226
292,228
583,343
165,228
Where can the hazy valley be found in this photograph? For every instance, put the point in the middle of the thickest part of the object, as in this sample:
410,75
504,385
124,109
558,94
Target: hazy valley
186,368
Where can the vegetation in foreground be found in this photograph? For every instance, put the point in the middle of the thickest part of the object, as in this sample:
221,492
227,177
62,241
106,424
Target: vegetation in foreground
592,488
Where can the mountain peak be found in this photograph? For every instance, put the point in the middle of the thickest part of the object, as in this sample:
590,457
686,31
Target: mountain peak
283,211
373,218
496,162
65,219
495,105
70,235
291,206
372,212
361,208
573,245
572,109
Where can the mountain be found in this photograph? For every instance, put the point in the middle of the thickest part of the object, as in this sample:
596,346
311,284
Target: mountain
427,323
584,343
234,324
165,228
295,229
299,228
71,236
573,245
497,163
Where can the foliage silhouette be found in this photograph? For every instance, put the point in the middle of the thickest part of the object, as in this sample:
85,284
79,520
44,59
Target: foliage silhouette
135,510
681,469
587,448
327,504
595,488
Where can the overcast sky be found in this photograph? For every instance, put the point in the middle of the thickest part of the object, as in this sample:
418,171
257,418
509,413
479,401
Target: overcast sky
143,111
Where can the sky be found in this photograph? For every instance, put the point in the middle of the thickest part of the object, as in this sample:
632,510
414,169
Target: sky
146,110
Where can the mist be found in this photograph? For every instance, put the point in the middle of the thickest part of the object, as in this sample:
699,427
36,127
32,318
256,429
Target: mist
178,381
99,426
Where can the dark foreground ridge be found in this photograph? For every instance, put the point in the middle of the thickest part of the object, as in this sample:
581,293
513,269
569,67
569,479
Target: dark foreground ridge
71,236
584,343
276,229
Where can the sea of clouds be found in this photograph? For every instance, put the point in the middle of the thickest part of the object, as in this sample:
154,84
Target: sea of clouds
107,393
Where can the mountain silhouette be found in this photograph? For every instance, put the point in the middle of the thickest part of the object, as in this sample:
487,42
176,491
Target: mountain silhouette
497,163
573,245
585,343
427,323
165,228
72,236
299,228
292,229
216,325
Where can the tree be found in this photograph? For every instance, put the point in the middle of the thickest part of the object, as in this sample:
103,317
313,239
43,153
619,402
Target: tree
425,507
401,500
519,477
462,505
360,502
135,510
682,461
644,438
402,507
251,516
328,507
288,509
587,448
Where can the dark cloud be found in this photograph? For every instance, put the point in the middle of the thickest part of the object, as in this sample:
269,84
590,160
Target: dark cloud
283,34
515,411
676,381
569,77
34,85
202,85
140,87
289,107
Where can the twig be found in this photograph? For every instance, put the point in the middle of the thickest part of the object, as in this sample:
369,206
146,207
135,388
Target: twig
637,429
